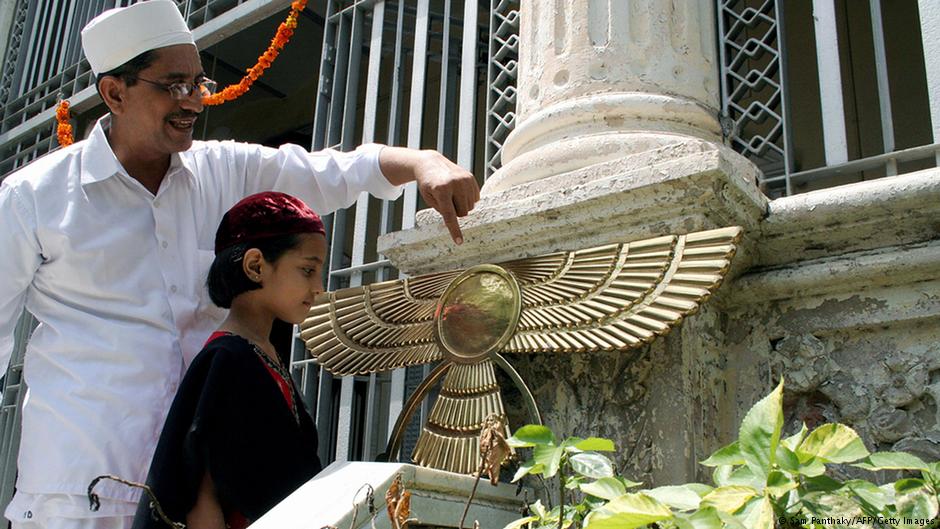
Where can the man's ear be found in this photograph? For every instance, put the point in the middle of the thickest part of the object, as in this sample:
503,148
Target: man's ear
113,92
253,264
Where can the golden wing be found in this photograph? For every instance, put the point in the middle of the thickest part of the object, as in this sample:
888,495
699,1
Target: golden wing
618,296
376,327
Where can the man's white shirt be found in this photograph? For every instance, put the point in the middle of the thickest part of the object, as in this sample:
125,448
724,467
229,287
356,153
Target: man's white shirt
116,277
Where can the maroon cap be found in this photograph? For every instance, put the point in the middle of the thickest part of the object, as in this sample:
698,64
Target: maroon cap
263,215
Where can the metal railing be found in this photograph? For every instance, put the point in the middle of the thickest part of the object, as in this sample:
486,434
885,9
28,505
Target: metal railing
375,54
812,93
44,63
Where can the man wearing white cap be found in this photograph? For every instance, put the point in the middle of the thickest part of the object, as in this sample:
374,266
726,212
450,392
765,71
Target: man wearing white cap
107,242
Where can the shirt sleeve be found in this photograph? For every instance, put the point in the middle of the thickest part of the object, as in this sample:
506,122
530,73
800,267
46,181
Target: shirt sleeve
22,257
326,180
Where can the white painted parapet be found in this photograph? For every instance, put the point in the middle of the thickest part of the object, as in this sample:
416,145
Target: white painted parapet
336,498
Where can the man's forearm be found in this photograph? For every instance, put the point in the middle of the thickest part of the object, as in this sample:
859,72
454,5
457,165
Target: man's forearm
399,165
445,186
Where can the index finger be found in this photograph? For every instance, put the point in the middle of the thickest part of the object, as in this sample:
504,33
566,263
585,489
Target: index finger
447,211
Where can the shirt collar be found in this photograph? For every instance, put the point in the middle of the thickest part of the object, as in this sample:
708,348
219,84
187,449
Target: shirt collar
98,160
100,163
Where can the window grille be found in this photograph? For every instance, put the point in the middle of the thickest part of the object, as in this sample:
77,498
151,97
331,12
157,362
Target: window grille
401,73
825,93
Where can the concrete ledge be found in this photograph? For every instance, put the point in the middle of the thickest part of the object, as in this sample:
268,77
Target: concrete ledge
881,213
845,273
680,188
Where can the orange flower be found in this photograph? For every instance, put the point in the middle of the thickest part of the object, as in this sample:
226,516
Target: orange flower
284,32
63,128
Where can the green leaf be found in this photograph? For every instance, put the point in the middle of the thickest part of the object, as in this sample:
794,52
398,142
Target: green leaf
760,432
779,484
787,459
794,440
706,518
607,488
731,521
891,461
521,522
833,443
529,467
596,444
539,509
678,497
728,499
727,455
813,467
759,514
934,469
868,493
591,465
531,435
628,512
822,504
549,456
574,482
903,486
917,504
627,483
721,475
699,488
821,484
745,477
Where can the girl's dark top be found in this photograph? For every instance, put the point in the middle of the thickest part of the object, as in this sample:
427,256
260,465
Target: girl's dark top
230,417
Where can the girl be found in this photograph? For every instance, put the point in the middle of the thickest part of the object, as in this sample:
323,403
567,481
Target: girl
238,439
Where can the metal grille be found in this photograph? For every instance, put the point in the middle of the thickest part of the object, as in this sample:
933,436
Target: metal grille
46,64
14,391
754,96
502,72
843,71
401,73
13,49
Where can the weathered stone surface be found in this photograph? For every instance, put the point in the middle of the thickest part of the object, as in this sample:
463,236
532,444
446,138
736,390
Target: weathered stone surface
681,188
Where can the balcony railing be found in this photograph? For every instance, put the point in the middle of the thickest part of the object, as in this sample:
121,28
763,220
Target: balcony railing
44,62
816,94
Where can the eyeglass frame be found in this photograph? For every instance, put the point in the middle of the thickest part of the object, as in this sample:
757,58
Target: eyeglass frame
181,90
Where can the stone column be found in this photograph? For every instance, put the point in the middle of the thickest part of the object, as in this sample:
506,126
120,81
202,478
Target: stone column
601,79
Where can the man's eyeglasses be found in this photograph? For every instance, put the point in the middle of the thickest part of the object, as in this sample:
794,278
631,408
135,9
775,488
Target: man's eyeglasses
182,90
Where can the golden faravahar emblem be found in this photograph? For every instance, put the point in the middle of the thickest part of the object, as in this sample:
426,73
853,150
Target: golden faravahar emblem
610,298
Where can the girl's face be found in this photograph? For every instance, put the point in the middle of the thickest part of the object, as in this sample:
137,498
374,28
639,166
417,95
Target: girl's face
292,282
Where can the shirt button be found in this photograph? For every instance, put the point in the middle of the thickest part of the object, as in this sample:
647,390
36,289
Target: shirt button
164,244
156,203
173,289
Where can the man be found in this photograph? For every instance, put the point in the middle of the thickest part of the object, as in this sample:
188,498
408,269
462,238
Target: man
108,241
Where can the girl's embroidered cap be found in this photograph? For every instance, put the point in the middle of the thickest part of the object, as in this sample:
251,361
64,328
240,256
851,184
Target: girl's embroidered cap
263,215
120,34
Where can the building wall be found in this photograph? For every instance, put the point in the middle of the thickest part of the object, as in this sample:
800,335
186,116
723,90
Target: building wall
839,296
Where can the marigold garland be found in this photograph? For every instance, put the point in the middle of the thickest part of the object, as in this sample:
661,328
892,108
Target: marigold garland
64,127
284,32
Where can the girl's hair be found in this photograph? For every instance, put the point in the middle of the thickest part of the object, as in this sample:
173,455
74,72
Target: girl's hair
227,278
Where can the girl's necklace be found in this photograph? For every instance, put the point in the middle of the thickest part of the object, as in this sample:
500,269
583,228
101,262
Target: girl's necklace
279,369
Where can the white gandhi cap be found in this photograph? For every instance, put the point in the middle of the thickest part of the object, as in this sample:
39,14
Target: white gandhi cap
118,35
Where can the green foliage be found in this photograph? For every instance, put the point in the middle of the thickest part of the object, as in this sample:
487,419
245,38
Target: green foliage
762,480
